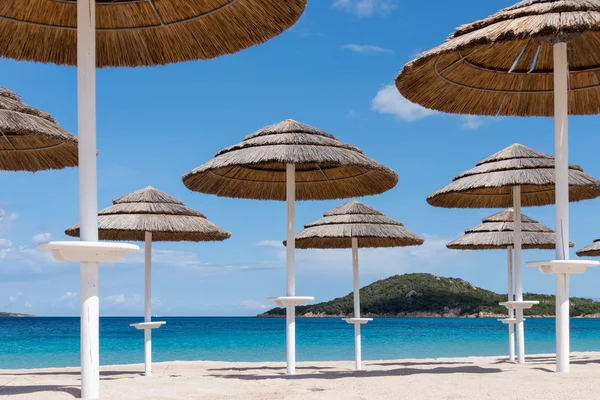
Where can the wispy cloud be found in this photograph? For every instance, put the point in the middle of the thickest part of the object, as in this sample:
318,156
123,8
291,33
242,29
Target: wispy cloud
42,237
250,304
5,243
430,256
389,101
472,122
366,8
190,262
117,300
67,300
7,220
366,49
278,244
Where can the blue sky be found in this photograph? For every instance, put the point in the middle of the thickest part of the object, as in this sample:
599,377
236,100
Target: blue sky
332,70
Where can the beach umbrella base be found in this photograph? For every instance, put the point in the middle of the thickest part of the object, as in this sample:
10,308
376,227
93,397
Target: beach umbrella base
89,254
562,269
359,321
147,328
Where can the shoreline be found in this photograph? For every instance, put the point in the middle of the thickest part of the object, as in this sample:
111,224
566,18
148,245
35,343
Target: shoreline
457,378
422,316
140,365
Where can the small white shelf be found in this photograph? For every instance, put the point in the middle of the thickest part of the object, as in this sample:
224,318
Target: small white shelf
519,304
563,266
149,325
287,301
360,321
509,321
93,252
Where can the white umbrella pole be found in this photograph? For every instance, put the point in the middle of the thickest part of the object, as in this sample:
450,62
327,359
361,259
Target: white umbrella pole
148,304
88,199
511,311
561,149
290,258
357,344
518,265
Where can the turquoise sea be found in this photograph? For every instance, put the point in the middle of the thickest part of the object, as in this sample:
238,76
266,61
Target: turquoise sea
54,342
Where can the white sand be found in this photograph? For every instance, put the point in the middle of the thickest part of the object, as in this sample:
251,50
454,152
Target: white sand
479,378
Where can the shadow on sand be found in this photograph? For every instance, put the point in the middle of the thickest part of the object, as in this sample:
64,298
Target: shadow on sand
414,364
11,390
367,373
43,373
282,369
19,390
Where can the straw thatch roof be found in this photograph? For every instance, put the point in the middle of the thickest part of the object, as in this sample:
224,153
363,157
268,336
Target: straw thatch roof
503,64
489,184
325,167
30,139
496,232
592,250
142,32
353,219
150,210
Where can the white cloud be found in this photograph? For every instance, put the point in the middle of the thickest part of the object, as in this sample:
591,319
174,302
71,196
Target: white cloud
26,255
27,304
68,295
431,256
366,49
365,8
5,243
472,122
12,299
7,220
278,244
116,300
389,101
67,300
253,305
189,262
42,237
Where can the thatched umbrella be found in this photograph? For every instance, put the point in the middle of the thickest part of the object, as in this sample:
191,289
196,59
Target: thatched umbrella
288,161
591,250
353,225
497,233
516,62
151,215
127,33
513,177
31,139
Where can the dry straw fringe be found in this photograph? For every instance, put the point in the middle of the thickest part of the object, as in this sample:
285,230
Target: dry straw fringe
592,250
355,220
30,139
496,232
503,64
142,33
490,183
150,210
325,167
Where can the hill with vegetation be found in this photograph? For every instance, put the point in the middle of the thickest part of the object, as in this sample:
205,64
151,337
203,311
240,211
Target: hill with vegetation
8,314
426,295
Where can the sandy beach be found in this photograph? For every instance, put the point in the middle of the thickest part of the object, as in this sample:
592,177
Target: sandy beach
439,379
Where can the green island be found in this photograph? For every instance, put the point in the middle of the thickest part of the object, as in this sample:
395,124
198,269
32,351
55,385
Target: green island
426,295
